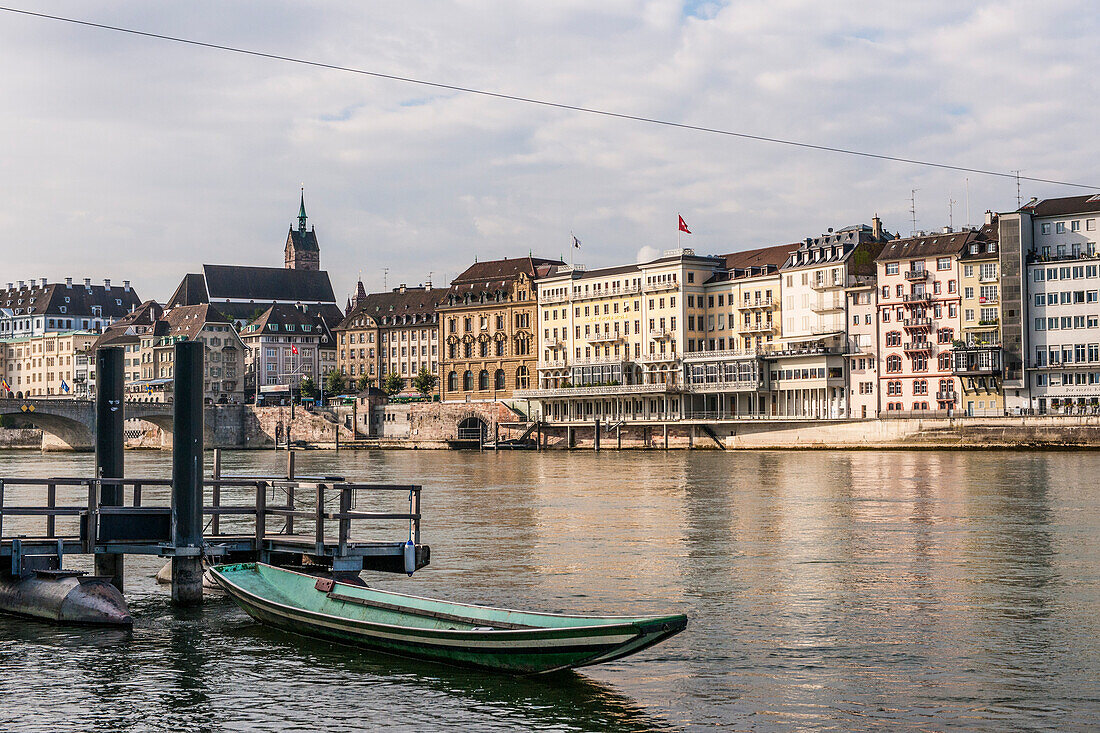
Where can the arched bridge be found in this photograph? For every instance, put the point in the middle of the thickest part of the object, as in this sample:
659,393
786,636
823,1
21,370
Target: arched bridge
71,422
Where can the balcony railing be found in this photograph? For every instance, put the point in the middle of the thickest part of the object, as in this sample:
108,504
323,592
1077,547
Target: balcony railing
552,364
726,354
989,322
739,385
555,298
916,274
826,285
948,396
914,324
918,346
762,327
604,337
662,333
661,286
916,298
596,391
645,358
827,305
758,303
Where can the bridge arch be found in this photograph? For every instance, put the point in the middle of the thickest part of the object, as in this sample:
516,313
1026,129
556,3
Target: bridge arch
59,432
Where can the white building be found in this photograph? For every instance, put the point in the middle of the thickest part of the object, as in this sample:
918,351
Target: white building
1051,315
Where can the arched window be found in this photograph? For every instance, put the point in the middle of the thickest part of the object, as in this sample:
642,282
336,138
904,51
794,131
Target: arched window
483,380
522,379
468,381
452,382
893,363
498,379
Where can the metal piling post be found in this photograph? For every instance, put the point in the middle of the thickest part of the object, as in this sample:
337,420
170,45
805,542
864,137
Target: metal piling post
109,444
187,474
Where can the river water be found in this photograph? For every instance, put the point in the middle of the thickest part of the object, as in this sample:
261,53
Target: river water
826,591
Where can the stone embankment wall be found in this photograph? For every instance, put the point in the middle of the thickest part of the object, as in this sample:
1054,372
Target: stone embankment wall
11,438
961,432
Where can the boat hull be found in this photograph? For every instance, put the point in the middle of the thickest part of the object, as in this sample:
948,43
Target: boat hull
518,651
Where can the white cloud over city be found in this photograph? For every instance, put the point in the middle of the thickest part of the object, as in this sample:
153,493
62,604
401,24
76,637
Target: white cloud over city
133,158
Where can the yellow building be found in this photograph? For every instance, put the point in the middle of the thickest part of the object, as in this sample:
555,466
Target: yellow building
977,352
54,364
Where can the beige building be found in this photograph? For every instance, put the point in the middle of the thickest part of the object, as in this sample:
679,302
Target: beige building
734,325
862,352
223,368
977,351
395,332
54,364
612,340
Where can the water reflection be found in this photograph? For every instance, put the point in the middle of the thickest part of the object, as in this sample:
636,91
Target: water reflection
826,590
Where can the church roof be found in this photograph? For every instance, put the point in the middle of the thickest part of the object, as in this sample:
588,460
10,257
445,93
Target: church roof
303,241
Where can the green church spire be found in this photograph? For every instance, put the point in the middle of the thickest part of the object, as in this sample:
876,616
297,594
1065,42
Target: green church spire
302,212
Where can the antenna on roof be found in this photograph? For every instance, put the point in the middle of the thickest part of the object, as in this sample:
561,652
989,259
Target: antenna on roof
967,201
913,210
1019,199
951,213
385,278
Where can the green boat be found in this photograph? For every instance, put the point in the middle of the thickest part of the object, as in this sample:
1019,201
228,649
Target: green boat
520,642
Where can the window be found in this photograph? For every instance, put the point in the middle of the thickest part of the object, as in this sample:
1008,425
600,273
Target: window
1075,226
483,380
1060,227
1045,228
892,268
893,363
498,379
468,381
943,263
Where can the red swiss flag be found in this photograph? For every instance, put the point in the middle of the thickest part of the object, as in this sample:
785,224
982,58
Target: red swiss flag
684,226
294,349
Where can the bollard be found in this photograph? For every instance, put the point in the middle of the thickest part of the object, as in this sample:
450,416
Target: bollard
109,442
187,474
596,436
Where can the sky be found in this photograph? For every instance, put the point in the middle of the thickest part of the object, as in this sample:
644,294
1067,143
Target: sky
139,159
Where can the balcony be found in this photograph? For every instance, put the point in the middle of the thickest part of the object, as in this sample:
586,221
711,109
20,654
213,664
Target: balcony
918,346
552,364
916,275
827,305
739,385
758,303
727,354
916,298
556,298
988,278
948,396
604,338
596,391
918,324
660,334
649,358
826,285
588,361
762,327
989,322
662,286
976,360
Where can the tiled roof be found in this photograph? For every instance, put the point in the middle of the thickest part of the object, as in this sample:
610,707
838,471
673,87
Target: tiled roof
929,245
190,291
303,241
280,315
1087,203
761,257
126,329
188,320
409,302
115,302
267,284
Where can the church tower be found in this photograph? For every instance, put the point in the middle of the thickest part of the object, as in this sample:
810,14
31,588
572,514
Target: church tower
302,252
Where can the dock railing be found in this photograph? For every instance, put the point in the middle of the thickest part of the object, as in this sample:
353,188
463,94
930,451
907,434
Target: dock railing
142,528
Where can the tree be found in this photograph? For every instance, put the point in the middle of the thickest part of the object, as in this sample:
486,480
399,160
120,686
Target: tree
425,382
307,387
363,383
393,384
335,383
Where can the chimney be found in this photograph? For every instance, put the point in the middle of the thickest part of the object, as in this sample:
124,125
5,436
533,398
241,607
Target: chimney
106,283
11,285
43,281
988,216
126,285
876,227
947,230
22,284
68,282
401,288
88,283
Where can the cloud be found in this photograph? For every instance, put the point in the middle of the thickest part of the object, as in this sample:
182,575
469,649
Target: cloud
138,159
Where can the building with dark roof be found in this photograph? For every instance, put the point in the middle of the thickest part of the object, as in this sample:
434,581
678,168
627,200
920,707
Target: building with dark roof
301,251
38,307
1050,317
223,363
394,332
488,317
285,345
